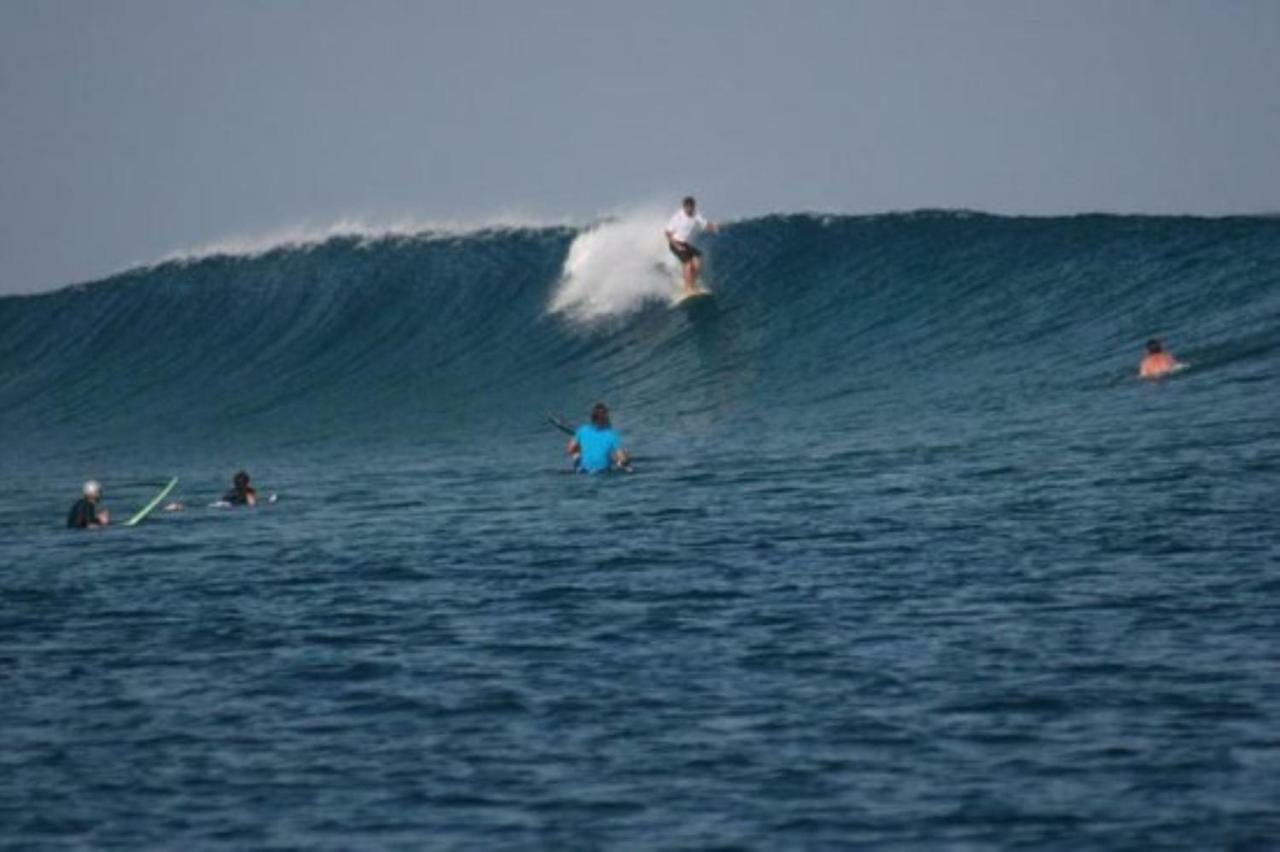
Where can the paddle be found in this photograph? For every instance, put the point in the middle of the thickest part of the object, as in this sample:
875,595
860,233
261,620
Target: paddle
560,424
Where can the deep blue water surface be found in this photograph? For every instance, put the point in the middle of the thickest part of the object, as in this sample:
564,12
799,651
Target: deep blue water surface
910,559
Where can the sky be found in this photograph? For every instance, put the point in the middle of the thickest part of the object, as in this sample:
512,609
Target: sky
135,129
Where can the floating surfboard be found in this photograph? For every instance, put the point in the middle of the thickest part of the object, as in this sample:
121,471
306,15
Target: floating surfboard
695,296
150,507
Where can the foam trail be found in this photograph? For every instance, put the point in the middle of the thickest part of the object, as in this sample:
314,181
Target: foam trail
615,267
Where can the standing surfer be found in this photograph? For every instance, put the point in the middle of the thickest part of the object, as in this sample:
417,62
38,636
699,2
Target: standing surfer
85,513
680,230
596,446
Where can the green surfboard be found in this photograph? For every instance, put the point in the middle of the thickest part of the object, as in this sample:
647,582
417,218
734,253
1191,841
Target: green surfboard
155,501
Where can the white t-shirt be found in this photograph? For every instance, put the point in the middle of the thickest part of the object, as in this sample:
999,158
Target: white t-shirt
682,225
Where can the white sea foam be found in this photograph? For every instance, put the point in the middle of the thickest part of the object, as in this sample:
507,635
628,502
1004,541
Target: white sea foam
615,267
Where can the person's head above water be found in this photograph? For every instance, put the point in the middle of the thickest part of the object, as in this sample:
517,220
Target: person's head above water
92,490
600,415
689,204
1157,361
240,480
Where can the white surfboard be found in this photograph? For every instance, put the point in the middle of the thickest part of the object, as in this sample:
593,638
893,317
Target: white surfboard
695,296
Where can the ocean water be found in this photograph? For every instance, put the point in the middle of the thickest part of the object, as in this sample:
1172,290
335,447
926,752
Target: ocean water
910,558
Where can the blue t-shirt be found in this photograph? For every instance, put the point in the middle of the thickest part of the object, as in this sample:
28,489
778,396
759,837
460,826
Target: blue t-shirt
598,446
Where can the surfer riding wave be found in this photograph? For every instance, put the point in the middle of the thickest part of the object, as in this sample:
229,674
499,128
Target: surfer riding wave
680,230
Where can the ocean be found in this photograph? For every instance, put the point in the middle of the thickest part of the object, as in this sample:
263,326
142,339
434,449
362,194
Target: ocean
910,558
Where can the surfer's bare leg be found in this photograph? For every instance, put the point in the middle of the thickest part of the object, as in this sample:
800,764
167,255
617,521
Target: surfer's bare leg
690,275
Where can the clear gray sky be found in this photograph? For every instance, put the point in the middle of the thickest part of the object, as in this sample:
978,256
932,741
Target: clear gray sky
130,129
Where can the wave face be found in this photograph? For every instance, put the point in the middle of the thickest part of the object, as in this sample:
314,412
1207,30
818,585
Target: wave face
875,322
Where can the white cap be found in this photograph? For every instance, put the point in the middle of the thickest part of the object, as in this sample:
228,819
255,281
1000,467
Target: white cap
92,488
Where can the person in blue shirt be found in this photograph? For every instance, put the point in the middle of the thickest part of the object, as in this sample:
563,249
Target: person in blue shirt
596,446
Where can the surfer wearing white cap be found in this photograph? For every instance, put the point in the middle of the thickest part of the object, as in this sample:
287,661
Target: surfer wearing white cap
85,513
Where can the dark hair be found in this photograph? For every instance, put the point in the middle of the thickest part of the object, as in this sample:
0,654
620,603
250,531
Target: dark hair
240,480
688,201
599,415
1154,346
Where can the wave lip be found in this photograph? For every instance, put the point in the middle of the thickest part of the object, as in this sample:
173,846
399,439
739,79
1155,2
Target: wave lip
364,233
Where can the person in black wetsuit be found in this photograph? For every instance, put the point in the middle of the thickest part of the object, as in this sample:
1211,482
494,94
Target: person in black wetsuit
241,493
85,513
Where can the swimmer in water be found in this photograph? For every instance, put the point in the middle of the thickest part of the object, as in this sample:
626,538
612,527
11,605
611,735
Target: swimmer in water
86,514
1157,362
241,493
596,446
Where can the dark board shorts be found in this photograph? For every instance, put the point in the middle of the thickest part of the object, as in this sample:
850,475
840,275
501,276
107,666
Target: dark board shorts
685,251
